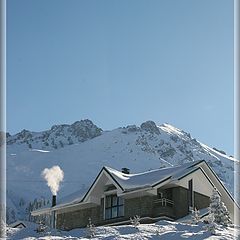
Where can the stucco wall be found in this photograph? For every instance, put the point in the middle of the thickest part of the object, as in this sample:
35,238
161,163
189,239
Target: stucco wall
200,183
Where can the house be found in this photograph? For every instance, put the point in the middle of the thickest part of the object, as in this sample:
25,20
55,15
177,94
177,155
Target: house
18,224
166,193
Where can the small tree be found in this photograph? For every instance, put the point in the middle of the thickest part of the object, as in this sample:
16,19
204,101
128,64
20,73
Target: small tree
195,216
2,228
226,220
211,227
135,221
41,227
91,230
218,209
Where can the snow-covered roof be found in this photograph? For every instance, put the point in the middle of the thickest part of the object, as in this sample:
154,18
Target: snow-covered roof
75,197
68,200
151,178
131,182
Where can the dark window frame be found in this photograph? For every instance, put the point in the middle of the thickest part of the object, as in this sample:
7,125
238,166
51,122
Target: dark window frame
112,206
190,193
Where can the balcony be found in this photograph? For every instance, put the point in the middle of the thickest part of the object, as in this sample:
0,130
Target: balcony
164,202
163,207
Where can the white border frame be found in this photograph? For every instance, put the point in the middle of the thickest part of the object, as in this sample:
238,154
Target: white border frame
3,119
236,103
3,107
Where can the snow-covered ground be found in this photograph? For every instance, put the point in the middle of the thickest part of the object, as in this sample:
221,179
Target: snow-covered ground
160,230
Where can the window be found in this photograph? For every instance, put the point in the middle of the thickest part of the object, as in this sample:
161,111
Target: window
190,193
114,207
168,193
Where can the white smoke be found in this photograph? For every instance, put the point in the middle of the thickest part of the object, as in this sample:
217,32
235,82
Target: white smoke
53,176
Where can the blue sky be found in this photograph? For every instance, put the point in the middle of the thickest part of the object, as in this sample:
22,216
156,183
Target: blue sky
121,62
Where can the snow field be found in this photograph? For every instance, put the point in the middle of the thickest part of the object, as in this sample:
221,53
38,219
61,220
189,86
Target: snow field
160,230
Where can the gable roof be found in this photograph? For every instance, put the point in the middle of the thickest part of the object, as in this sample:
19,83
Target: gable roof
17,224
129,182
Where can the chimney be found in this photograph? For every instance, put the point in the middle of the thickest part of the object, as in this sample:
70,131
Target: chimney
54,200
125,170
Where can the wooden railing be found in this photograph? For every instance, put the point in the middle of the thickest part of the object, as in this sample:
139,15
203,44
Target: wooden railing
164,202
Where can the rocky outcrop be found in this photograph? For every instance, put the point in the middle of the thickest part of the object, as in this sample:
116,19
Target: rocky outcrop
150,126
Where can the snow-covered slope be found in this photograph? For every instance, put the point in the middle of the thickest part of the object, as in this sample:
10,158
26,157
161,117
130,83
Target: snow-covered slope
82,149
159,230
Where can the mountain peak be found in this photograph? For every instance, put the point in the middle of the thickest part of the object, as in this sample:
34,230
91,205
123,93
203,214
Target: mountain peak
150,126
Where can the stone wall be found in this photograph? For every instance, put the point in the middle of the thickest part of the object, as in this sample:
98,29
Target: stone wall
201,201
141,206
144,206
78,218
180,199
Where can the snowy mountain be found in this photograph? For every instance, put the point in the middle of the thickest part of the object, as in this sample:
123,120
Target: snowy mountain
82,149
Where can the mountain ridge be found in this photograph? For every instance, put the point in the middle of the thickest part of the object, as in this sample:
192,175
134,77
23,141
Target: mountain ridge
27,136
57,136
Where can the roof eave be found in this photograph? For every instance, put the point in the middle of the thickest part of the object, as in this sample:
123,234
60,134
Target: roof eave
41,211
127,192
